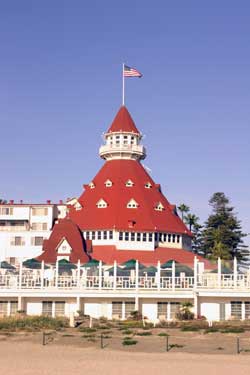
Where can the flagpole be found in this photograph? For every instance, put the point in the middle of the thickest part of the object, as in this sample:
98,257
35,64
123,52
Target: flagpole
123,86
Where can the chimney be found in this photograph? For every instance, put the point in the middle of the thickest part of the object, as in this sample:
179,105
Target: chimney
48,201
21,201
11,201
60,201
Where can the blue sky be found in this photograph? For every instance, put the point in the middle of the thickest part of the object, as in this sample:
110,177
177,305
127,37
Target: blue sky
60,87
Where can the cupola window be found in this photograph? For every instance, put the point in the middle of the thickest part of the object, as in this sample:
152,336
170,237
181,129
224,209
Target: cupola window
92,185
148,185
159,207
129,183
102,204
108,183
132,204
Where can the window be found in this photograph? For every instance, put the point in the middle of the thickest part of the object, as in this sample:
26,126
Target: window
129,183
236,309
120,236
174,309
93,235
87,235
173,237
138,236
108,183
101,203
125,139
148,185
144,237
126,236
6,211
132,236
99,235
156,237
13,307
39,211
39,226
36,241
129,308
47,308
110,235
150,237
162,309
159,207
17,241
3,308
164,237
117,310
59,308
91,185
169,237
105,235
132,204
247,310
178,238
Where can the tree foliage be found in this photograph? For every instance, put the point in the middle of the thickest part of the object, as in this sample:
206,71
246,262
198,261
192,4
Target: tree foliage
222,234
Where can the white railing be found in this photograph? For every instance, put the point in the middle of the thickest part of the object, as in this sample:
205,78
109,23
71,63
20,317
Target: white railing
34,281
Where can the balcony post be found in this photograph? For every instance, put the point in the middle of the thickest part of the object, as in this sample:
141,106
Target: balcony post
56,278
195,271
136,275
20,273
158,279
115,274
235,272
78,273
173,275
219,273
42,274
100,274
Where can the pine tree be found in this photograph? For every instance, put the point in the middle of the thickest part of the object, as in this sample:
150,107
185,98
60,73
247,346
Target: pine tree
222,234
197,240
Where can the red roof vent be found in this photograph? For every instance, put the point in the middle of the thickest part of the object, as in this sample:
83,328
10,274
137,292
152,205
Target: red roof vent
123,122
131,223
48,201
60,201
11,201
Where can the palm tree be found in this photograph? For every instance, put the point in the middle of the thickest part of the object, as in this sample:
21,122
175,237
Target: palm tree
183,208
191,220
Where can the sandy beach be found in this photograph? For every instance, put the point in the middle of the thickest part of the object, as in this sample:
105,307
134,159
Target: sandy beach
25,358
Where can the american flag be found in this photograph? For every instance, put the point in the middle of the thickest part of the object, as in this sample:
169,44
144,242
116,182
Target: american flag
131,72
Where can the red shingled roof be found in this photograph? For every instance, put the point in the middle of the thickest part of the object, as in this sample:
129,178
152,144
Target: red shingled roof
109,254
65,229
116,214
123,122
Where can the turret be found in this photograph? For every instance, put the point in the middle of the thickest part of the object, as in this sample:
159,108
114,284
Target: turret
122,140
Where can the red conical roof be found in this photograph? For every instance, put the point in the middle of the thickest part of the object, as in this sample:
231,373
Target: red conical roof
123,122
116,215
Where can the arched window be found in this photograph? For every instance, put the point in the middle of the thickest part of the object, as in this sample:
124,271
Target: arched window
91,185
108,183
148,185
132,204
129,183
102,204
159,207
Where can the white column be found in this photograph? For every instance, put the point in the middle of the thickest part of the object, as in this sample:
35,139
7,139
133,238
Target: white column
219,273
78,273
19,303
196,305
243,314
100,274
115,274
42,274
20,273
78,304
173,275
158,279
195,272
136,275
235,272
57,265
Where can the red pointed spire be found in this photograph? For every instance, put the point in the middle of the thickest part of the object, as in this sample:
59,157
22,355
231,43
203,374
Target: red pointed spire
123,122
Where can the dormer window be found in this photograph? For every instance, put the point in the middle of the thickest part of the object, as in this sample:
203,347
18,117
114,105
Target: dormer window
129,183
159,207
108,183
132,204
101,204
148,185
92,185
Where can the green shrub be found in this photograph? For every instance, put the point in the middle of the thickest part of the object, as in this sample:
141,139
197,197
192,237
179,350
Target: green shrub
145,333
190,328
163,334
88,336
127,332
233,330
87,329
211,330
129,342
32,323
